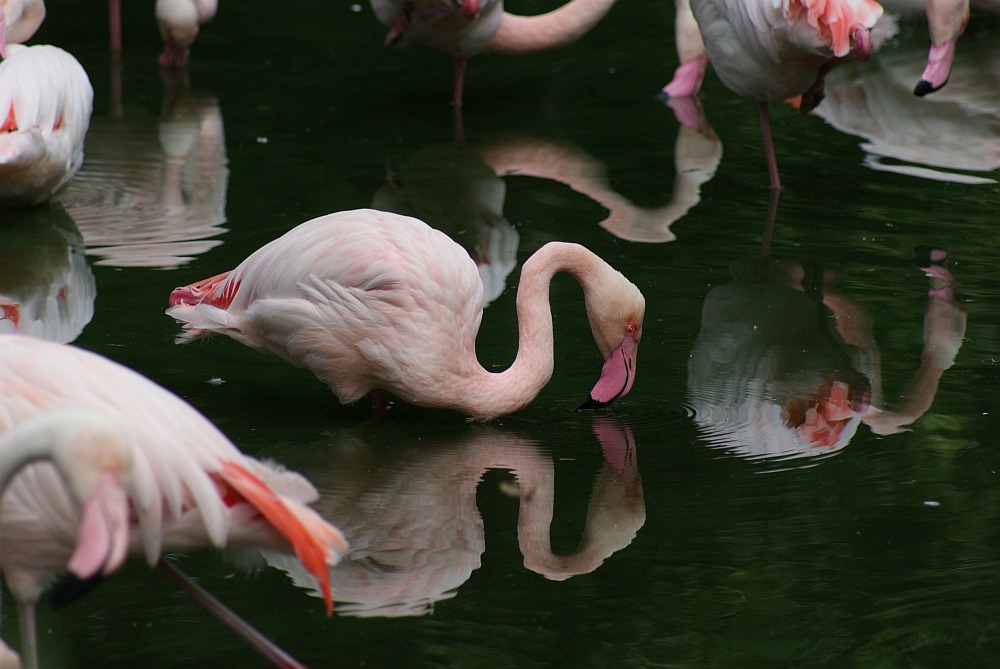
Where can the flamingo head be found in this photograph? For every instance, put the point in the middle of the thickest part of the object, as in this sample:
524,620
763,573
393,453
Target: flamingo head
19,19
94,457
615,308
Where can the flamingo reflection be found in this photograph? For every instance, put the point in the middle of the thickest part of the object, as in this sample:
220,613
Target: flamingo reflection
942,137
415,531
152,192
785,366
46,287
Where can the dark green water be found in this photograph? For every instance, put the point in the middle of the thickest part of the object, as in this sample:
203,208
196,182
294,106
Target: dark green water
885,553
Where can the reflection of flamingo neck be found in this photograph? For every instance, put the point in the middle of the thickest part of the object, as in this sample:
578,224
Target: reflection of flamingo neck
614,515
527,34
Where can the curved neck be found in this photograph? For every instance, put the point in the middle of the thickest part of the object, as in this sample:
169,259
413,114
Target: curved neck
26,443
528,34
21,18
486,395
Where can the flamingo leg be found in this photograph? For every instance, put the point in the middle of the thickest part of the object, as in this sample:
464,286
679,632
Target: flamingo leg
29,634
459,81
115,25
772,161
264,646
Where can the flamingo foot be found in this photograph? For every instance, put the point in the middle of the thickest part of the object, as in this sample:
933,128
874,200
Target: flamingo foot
938,69
687,78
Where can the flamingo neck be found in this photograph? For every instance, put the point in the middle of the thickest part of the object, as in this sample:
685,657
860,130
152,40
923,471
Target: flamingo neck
529,34
29,442
19,19
487,395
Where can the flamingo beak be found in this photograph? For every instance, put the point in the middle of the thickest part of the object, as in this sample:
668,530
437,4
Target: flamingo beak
617,376
468,8
102,540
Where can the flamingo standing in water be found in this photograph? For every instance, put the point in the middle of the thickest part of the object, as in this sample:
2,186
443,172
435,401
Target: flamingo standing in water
179,22
469,27
45,105
149,472
370,301
778,49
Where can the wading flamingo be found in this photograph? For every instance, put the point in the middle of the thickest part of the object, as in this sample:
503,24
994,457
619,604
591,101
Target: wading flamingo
45,105
469,27
370,301
179,22
772,50
177,482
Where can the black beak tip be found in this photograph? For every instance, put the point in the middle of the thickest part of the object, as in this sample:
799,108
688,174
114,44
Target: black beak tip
591,405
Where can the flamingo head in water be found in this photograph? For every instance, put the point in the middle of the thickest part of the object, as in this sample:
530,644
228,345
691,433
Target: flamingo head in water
615,308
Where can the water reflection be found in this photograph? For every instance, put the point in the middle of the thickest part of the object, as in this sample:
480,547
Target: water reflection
450,188
697,154
47,290
785,366
152,192
939,137
409,512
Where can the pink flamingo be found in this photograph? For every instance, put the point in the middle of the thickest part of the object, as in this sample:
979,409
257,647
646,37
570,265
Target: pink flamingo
147,472
370,301
778,49
45,105
179,22
469,27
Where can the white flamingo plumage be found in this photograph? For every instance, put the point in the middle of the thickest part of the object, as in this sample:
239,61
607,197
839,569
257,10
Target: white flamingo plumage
45,104
178,482
180,21
772,50
370,301
467,28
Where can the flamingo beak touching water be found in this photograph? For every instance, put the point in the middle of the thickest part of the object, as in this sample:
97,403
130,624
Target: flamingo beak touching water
617,375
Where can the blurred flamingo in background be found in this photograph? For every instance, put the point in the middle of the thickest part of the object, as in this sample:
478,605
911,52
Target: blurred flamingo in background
778,49
369,300
168,479
469,27
179,22
45,105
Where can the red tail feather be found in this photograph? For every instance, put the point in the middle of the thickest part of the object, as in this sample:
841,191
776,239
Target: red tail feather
312,551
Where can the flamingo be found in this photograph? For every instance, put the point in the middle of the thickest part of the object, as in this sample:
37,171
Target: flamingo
778,49
466,28
149,472
369,300
179,21
45,105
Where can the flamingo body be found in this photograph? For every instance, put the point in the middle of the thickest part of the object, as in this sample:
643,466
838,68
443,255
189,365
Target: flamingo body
771,50
45,100
180,21
370,300
185,484
466,28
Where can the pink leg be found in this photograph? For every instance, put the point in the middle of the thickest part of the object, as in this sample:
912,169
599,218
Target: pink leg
687,78
938,69
115,25
459,81
772,161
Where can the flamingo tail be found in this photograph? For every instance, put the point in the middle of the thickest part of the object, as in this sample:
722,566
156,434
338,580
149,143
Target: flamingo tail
317,544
